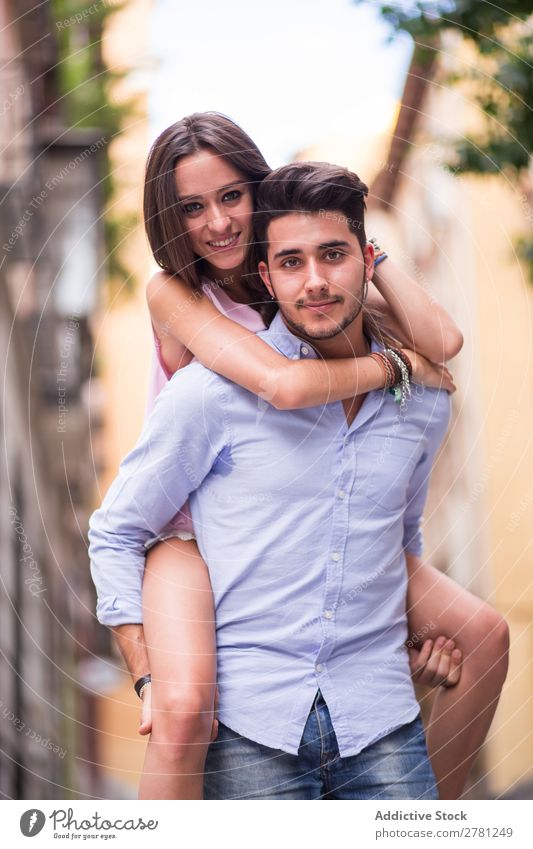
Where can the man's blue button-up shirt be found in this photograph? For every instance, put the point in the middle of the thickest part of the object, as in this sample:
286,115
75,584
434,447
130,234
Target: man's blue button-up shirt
304,522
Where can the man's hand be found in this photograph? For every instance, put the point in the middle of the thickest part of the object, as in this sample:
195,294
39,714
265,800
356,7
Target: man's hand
438,663
146,714
146,710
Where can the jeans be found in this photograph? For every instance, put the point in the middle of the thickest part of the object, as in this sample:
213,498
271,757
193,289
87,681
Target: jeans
395,767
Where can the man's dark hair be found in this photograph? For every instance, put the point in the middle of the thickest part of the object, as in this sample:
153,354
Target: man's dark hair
316,187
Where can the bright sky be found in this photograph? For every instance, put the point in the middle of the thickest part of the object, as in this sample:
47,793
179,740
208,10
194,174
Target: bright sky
290,72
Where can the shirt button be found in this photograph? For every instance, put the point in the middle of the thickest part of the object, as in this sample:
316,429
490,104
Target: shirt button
335,556
319,667
345,440
341,493
305,350
328,614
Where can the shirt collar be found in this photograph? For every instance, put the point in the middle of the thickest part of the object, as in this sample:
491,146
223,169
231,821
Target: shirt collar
292,346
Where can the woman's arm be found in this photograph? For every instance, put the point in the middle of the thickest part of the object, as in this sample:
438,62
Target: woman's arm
412,315
187,321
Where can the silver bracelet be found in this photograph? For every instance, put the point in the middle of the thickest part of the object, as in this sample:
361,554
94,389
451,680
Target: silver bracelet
401,391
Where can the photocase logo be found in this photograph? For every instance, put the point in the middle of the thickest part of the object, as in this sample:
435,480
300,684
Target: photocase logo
32,822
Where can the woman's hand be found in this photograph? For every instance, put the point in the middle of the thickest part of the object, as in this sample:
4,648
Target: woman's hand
438,663
146,713
433,375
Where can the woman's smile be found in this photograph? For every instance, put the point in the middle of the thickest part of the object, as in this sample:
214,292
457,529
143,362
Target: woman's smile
227,244
217,204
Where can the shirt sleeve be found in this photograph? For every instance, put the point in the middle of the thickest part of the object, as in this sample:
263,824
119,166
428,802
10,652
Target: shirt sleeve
179,444
434,433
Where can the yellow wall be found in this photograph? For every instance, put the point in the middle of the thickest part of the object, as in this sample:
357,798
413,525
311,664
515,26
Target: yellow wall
505,332
124,349
124,345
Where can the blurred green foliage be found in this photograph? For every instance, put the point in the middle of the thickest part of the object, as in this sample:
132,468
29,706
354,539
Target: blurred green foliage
503,83
85,84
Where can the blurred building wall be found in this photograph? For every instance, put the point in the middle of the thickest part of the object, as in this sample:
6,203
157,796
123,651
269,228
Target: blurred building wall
123,350
48,208
122,328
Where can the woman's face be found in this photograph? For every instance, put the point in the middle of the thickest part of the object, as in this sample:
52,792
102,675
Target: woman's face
217,205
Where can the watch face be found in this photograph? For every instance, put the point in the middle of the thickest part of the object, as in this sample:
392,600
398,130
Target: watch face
141,683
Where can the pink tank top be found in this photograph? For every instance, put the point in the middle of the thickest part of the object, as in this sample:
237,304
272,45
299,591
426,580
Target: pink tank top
159,374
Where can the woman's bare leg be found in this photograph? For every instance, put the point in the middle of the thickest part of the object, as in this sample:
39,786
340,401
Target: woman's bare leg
179,629
461,715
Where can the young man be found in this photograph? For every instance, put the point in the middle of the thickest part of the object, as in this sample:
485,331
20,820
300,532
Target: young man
305,519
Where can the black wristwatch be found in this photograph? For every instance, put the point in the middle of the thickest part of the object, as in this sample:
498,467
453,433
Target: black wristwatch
141,683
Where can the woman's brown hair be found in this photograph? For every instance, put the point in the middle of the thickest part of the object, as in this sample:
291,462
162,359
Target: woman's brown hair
165,225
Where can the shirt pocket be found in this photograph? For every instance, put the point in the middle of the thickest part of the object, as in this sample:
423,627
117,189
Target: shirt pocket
384,468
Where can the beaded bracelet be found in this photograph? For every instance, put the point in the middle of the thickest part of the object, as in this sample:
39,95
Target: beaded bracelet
379,253
394,366
397,369
403,356
384,365
402,388
392,370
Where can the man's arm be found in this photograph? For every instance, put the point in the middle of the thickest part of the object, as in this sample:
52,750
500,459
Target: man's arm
178,447
130,640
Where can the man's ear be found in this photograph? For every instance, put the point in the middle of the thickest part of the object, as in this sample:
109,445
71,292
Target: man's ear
264,274
368,256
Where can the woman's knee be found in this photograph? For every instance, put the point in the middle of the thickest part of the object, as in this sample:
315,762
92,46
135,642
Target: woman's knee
182,715
498,638
486,640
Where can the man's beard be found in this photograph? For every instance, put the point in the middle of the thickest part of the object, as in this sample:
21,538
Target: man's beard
301,330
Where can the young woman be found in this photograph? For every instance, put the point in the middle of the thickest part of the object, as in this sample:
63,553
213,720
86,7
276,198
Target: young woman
207,304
